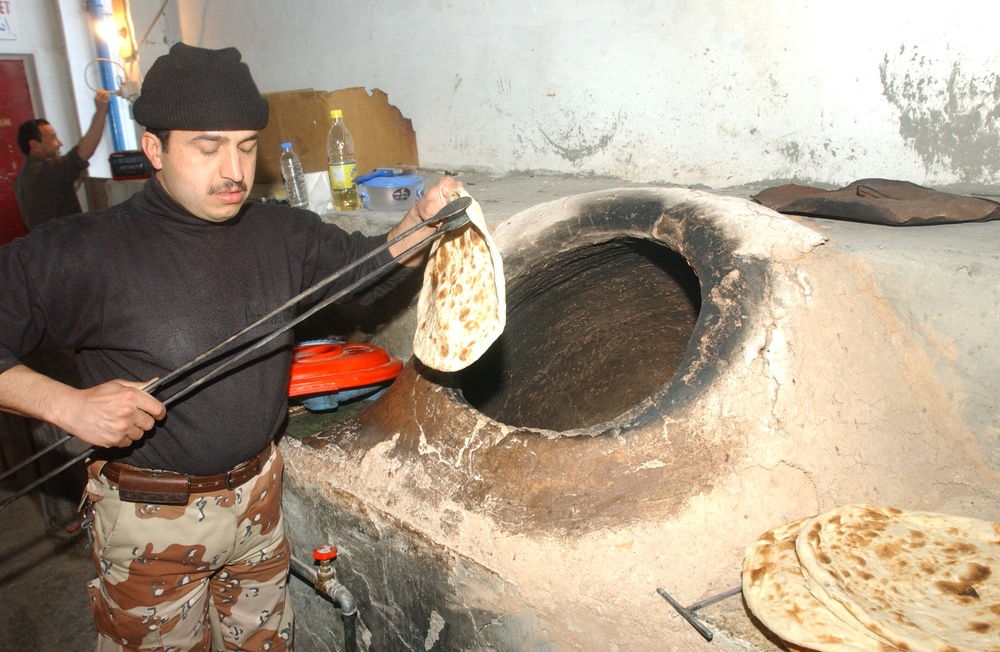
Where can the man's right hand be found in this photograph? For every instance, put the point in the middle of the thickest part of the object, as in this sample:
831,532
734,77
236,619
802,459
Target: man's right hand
101,100
116,413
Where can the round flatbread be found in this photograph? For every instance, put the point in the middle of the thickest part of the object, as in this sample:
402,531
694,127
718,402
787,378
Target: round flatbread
920,580
462,308
777,594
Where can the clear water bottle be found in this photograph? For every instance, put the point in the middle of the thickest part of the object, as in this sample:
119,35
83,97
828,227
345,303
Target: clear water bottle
295,178
340,153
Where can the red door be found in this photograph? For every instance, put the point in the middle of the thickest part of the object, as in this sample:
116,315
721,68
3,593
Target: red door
15,108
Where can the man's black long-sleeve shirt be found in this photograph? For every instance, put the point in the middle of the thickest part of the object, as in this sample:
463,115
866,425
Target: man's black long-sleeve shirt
142,288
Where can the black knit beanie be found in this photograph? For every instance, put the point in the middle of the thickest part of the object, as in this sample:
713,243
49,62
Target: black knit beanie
194,89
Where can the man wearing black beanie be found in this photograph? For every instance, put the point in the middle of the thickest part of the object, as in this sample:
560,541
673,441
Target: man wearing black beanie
185,503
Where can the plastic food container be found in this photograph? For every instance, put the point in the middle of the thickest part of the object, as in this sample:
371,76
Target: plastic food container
391,193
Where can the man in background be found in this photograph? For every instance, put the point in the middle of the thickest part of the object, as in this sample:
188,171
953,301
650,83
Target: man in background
46,186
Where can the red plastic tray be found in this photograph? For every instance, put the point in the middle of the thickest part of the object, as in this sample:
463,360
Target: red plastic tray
331,367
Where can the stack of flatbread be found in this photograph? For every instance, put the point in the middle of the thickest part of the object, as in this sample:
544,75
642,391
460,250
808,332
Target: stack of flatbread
462,308
862,577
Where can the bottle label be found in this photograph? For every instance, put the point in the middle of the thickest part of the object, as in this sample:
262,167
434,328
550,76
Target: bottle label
342,175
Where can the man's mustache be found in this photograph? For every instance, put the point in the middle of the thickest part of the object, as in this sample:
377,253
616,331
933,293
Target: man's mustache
229,186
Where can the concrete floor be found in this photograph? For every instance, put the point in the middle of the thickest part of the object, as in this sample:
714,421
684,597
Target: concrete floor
43,577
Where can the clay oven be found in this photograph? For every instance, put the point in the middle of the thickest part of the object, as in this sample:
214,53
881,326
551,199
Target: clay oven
680,371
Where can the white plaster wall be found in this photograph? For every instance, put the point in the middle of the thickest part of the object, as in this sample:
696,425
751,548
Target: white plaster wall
714,92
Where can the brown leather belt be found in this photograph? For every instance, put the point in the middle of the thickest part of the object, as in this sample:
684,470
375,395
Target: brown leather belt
138,485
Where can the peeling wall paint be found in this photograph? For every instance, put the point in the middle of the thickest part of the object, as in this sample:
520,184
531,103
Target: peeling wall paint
717,92
949,115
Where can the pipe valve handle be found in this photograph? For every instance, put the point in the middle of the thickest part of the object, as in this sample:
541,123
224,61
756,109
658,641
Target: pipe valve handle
325,553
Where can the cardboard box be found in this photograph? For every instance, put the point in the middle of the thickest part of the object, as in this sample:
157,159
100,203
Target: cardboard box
382,136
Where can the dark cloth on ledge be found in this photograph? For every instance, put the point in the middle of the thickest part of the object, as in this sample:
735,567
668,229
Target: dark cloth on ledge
879,201
141,288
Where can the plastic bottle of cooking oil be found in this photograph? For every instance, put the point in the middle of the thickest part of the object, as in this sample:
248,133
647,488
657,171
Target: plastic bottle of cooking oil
340,153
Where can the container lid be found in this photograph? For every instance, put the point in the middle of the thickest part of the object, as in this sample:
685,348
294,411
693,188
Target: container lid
336,113
397,181
286,145
330,366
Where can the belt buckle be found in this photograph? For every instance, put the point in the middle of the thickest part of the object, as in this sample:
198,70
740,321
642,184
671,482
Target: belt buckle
252,465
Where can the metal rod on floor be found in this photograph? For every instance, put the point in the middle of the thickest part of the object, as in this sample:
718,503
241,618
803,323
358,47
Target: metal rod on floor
736,590
687,615
688,612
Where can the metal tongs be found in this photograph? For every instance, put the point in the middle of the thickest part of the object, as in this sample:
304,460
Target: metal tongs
451,217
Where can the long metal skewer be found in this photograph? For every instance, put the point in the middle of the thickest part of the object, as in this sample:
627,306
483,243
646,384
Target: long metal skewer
45,478
452,216
454,208
25,462
454,222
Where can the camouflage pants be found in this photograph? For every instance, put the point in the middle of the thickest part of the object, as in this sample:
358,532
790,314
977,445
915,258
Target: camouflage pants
211,574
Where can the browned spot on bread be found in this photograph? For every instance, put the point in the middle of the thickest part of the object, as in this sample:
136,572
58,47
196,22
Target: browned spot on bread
961,548
759,572
962,590
887,550
979,628
977,574
793,613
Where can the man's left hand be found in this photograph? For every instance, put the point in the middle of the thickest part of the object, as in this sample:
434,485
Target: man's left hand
433,201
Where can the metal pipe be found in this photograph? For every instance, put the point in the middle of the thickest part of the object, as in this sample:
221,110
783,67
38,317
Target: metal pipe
96,11
338,594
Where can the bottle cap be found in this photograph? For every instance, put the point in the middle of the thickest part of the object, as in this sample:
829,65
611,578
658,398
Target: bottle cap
286,145
336,114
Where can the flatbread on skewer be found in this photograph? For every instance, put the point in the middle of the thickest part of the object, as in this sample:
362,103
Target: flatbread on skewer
462,307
